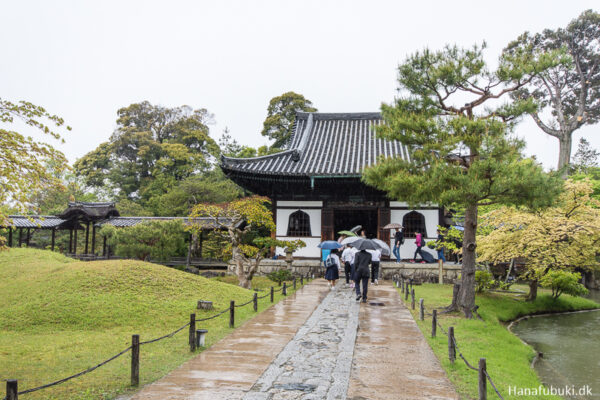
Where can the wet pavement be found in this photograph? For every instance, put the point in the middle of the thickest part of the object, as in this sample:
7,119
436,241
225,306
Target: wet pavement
228,369
392,359
316,344
316,363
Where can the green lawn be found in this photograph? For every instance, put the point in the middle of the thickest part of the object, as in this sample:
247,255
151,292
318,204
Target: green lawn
508,359
59,316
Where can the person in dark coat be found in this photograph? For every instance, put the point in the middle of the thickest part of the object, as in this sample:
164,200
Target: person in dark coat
398,241
362,259
332,272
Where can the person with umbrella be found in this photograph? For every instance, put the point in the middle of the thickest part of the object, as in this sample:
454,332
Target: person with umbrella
332,265
362,259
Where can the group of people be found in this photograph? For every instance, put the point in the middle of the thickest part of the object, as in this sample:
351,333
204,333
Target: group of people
355,263
355,266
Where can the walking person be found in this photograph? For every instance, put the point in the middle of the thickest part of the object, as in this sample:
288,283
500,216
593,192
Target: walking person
332,265
362,259
398,241
375,262
348,260
419,242
440,246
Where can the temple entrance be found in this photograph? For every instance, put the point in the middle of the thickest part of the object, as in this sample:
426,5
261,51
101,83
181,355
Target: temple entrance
346,219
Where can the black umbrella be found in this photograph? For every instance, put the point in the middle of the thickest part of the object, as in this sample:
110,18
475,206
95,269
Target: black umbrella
365,244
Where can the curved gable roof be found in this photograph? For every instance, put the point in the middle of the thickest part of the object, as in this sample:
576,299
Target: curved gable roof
324,144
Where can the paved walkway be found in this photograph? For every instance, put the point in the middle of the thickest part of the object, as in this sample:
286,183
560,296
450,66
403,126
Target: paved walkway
316,344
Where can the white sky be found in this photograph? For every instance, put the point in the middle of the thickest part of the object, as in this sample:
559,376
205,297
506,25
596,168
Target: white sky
84,60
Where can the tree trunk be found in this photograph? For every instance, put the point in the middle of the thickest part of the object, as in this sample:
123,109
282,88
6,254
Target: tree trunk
466,296
533,286
564,153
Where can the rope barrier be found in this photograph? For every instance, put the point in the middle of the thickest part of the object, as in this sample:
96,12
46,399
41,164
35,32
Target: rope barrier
214,316
262,297
76,375
464,359
165,336
245,304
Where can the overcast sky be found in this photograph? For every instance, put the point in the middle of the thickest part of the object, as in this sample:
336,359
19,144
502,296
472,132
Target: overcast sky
84,60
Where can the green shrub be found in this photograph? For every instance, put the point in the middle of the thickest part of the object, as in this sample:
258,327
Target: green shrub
563,282
484,280
280,276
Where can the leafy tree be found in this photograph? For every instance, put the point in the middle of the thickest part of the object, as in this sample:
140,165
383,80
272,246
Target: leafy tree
240,220
156,240
462,152
281,115
585,157
23,161
563,282
151,143
559,238
568,93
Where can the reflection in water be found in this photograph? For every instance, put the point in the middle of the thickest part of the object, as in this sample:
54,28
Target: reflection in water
571,347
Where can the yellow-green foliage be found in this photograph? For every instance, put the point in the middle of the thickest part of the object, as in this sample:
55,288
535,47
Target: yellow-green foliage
561,237
59,316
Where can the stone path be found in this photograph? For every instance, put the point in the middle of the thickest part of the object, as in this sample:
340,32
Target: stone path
316,344
316,363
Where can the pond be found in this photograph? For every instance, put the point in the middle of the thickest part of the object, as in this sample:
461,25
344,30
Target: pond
570,344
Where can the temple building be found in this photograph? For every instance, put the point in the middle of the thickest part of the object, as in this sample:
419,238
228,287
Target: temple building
315,183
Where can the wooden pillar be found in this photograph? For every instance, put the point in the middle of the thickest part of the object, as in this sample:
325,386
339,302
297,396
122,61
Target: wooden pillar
70,241
28,236
94,239
10,242
75,238
87,236
200,239
20,236
104,254
188,259
53,239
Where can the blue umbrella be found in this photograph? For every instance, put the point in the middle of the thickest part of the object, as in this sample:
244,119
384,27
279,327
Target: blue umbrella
330,244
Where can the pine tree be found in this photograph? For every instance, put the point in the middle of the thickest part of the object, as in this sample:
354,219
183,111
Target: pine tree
462,152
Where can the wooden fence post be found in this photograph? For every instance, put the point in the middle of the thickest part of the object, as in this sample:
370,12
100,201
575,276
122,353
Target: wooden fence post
135,360
301,279
406,292
412,295
12,392
421,310
192,337
232,314
272,294
482,380
284,290
451,348
255,301
402,285
434,323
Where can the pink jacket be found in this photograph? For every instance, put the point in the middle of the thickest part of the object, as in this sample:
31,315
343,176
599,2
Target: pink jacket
419,240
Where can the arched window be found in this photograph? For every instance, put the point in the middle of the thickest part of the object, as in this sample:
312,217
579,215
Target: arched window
299,224
414,222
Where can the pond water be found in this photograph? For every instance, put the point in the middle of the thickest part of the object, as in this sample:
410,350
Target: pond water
571,347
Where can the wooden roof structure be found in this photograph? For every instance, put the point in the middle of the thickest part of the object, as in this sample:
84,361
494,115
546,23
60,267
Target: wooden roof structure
204,222
325,147
88,211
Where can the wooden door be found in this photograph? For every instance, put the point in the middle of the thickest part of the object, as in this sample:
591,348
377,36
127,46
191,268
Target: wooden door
327,224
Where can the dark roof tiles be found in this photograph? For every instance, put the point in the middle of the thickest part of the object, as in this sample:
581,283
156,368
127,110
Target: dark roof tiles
325,144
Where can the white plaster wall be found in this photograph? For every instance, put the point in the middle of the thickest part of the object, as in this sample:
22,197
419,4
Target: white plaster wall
283,218
407,250
311,249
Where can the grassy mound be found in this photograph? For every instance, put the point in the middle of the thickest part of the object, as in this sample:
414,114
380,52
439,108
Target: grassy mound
59,316
508,359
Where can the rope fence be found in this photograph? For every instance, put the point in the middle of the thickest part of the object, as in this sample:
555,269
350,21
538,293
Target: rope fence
195,340
406,287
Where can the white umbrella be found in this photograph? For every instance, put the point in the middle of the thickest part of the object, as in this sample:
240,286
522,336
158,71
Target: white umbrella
350,240
385,249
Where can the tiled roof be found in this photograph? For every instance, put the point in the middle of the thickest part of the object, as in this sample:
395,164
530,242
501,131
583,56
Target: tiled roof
205,222
35,221
340,144
92,210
